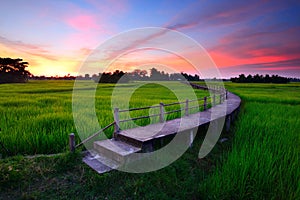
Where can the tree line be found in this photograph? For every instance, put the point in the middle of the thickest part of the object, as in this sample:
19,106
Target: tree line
125,77
260,79
142,75
13,70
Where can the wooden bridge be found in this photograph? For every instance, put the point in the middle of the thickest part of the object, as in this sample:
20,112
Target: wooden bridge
112,153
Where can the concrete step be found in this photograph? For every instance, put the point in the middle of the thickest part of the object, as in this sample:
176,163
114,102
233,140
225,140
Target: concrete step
98,162
115,150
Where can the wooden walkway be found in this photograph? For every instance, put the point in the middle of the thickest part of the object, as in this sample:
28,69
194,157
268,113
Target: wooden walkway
110,154
153,131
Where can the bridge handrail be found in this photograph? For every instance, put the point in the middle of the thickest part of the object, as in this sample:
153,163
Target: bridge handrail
116,123
94,135
221,93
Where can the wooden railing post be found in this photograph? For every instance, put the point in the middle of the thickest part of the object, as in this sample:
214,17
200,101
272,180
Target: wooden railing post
72,142
117,120
205,103
186,107
162,113
220,97
214,99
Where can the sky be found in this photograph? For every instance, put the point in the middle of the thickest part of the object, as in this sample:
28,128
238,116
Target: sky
57,36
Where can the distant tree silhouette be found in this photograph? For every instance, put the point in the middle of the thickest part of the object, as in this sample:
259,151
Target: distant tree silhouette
140,75
116,77
176,77
13,70
155,75
189,77
260,79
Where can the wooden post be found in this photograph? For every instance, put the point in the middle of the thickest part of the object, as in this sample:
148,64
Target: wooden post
162,113
221,98
226,94
228,121
186,107
214,99
117,120
191,138
72,142
204,103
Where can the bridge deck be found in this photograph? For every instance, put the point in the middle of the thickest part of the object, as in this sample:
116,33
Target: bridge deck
154,131
107,155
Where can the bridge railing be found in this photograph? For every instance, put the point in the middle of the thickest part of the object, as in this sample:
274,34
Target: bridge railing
221,96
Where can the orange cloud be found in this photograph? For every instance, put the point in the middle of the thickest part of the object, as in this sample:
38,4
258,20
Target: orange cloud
40,64
148,58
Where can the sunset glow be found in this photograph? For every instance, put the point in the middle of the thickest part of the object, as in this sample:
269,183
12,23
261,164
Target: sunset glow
55,37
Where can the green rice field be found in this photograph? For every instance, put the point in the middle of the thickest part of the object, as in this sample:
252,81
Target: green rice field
260,159
36,118
265,156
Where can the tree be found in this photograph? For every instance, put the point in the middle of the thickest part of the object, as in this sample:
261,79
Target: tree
116,77
138,75
242,78
249,78
260,79
13,70
155,75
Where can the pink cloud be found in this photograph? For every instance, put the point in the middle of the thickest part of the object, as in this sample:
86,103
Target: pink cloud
279,68
247,47
30,49
83,22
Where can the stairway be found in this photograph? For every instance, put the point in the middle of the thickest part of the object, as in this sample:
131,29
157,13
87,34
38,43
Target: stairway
109,154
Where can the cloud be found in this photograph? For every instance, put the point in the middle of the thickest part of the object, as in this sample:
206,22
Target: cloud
83,22
34,50
88,24
250,44
209,14
203,14
278,65
215,13
151,57
290,68
85,51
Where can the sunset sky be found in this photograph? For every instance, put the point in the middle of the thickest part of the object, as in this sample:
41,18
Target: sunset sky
248,37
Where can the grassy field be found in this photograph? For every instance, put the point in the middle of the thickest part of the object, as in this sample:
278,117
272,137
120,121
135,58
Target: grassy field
36,118
259,161
264,160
